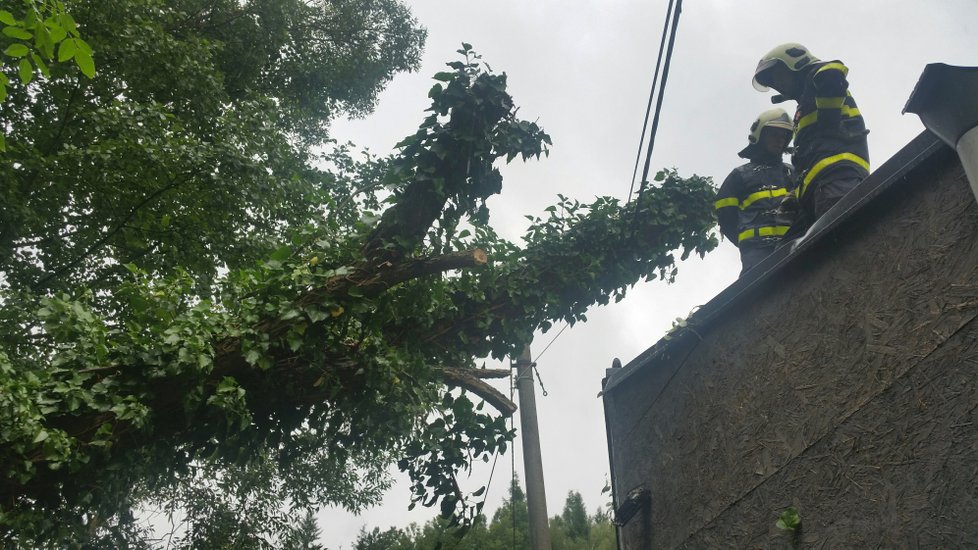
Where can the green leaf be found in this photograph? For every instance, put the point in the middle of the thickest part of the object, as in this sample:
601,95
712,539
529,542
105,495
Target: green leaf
57,32
85,61
18,33
7,18
444,76
68,23
204,361
252,356
66,50
82,46
295,342
17,50
435,91
41,436
41,65
25,71
43,42
281,254
790,519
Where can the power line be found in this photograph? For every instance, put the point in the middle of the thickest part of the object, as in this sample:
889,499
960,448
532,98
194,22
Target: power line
485,496
648,109
662,90
658,106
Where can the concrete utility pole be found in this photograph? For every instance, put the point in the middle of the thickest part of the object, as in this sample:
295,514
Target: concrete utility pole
536,494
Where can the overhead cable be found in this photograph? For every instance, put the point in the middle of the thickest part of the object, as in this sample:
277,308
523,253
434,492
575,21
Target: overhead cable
658,107
648,108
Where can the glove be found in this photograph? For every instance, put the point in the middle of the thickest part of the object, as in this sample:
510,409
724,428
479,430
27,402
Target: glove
788,211
789,205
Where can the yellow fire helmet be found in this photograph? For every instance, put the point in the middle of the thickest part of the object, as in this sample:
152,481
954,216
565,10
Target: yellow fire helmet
793,55
774,118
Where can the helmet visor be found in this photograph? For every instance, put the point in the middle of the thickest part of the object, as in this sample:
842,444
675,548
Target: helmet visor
761,80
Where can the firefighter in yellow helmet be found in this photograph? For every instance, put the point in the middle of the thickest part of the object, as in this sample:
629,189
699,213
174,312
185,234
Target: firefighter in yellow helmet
831,155
748,200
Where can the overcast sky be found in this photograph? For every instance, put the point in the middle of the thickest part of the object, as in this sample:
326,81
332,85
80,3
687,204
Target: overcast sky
583,70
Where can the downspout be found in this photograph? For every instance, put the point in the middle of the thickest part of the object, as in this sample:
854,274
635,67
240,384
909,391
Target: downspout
615,365
946,99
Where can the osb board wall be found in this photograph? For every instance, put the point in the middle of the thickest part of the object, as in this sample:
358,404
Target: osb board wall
845,389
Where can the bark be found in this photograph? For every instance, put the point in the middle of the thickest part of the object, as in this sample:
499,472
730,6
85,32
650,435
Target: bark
470,379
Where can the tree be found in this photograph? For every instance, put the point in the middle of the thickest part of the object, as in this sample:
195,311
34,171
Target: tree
510,527
572,530
574,516
44,33
391,539
199,107
356,293
304,535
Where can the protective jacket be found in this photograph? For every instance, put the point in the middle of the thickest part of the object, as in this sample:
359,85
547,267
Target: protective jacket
748,200
830,134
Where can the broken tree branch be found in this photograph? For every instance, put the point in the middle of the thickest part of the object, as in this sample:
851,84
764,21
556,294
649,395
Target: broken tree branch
469,379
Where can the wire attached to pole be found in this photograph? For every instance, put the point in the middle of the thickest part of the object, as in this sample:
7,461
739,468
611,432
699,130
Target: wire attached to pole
512,481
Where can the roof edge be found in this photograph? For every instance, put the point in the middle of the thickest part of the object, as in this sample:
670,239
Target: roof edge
888,176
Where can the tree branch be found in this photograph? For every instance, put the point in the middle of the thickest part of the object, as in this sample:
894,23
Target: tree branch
469,379
108,235
371,280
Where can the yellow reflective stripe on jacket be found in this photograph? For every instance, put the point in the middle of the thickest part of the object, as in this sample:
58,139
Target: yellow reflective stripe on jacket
829,102
767,231
723,203
825,163
835,66
812,118
767,193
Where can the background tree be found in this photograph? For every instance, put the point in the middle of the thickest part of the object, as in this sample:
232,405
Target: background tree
391,539
572,530
356,294
574,517
305,534
510,527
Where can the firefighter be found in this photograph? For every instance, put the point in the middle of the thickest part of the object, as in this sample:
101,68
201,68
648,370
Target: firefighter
748,201
831,155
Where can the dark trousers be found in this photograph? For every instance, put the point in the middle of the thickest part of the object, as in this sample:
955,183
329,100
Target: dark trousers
830,192
751,256
818,200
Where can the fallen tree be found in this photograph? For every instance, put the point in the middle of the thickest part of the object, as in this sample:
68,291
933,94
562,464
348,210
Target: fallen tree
315,366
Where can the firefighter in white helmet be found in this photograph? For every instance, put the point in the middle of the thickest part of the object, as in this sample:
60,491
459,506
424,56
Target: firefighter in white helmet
831,155
748,201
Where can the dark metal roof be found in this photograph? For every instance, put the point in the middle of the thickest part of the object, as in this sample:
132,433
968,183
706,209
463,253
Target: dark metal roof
892,174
